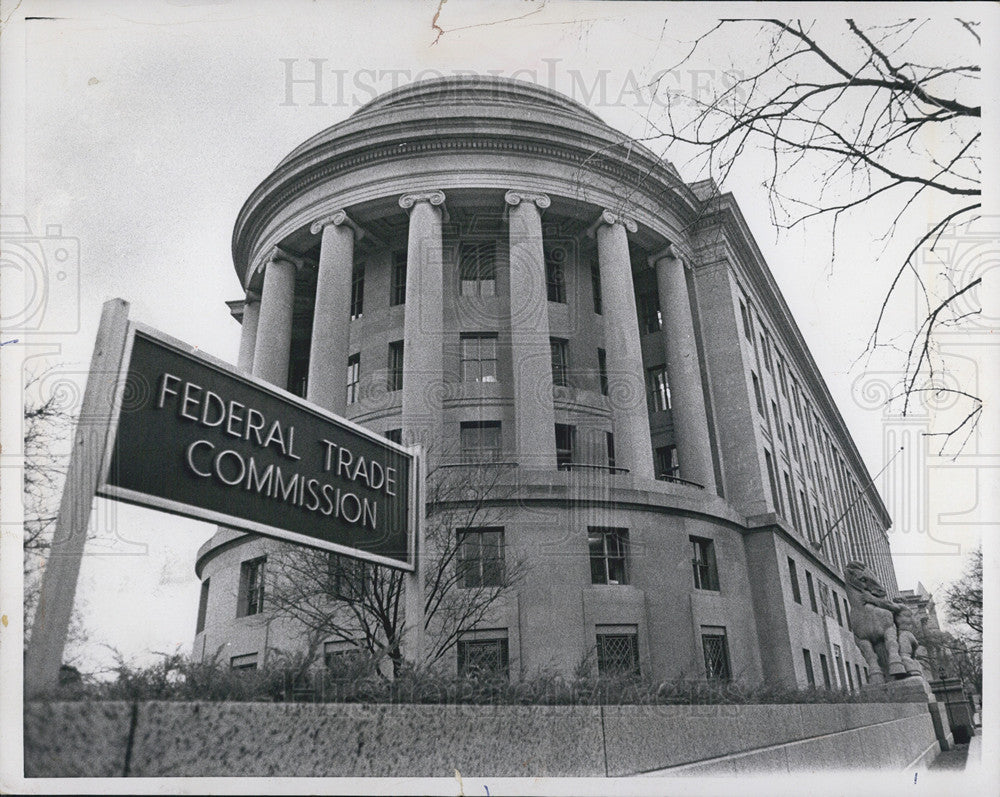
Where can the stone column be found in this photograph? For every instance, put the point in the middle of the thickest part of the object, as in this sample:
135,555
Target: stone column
626,377
248,333
694,448
534,423
272,348
329,348
423,324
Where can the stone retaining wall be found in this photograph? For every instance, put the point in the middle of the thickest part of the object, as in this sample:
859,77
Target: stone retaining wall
157,739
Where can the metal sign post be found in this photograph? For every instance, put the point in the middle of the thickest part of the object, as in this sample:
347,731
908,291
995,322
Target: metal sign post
55,603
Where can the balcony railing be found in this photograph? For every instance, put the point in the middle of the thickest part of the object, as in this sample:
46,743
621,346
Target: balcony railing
666,477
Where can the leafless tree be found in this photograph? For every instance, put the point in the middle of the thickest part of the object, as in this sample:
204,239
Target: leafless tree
963,607
866,121
329,597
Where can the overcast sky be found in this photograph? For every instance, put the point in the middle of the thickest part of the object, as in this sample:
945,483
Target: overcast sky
145,125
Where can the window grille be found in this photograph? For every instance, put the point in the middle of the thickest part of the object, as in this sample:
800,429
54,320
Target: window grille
716,650
483,656
618,653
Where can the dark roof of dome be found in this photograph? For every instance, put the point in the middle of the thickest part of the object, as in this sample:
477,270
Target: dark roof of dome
463,93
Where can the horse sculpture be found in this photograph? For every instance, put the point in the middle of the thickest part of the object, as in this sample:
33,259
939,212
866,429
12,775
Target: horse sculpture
874,623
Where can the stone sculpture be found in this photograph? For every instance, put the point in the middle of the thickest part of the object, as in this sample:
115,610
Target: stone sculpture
874,622
911,652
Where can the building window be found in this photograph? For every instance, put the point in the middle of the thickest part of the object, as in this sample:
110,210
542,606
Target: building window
794,515
608,555
667,466
595,285
782,380
812,592
555,272
618,650
298,368
479,357
777,421
560,361
202,606
793,576
335,654
397,291
706,572
477,268
353,377
396,435
480,558
747,328
246,662
480,441
565,445
602,370
850,678
251,597
358,291
716,650
657,388
826,670
347,578
756,394
857,672
839,658
765,346
484,653
775,495
836,605
649,312
807,659
868,679
847,616
394,368
609,444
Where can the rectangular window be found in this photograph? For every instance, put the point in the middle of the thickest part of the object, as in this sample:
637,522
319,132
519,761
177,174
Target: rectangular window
251,587
595,285
847,616
657,388
667,465
484,653
716,650
868,679
477,268
857,672
782,379
766,350
394,367
397,292
202,606
807,659
609,442
358,291
608,555
812,592
347,578
836,605
298,369
777,421
839,658
850,678
480,441
793,576
560,361
793,514
353,377
396,435
617,650
555,272
706,571
336,653
826,670
247,661
565,444
649,312
602,370
772,478
747,328
480,558
479,357
757,395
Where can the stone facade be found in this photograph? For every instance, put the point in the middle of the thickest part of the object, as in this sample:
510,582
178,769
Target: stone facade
643,368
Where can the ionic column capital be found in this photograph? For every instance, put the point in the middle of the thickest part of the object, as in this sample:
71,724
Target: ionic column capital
669,252
279,255
515,198
337,218
435,198
610,218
